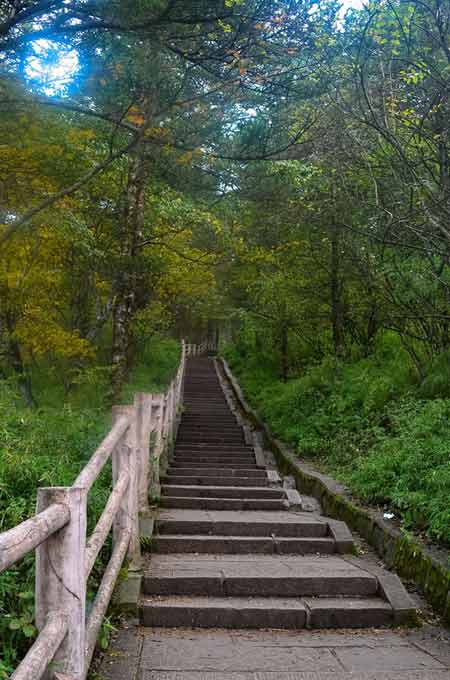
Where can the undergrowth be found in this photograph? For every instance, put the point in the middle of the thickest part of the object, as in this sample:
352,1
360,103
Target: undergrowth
370,422
48,446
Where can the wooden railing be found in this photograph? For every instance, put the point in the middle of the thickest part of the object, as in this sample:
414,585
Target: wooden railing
139,445
202,348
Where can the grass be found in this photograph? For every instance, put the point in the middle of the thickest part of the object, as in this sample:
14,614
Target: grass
49,446
370,422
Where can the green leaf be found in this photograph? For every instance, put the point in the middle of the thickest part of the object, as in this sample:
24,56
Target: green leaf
29,630
26,595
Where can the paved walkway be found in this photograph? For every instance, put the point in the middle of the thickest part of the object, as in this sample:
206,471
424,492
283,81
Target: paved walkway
186,654
234,555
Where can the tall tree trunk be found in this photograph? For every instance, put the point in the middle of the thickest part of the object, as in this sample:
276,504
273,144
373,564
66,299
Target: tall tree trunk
23,377
337,317
284,353
127,277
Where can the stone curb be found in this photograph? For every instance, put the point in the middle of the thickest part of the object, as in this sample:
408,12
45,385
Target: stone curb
391,588
128,592
410,559
342,536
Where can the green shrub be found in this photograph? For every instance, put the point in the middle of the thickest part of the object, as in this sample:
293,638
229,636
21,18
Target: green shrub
410,468
366,422
48,447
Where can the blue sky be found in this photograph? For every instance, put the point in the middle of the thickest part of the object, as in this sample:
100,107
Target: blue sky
52,67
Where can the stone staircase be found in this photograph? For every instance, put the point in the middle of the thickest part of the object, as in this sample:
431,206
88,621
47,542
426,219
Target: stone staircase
230,552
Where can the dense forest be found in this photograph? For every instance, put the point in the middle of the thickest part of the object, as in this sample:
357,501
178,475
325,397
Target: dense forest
275,170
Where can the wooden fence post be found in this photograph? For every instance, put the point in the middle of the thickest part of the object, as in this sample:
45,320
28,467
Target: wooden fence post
60,579
125,456
143,406
173,411
157,424
164,456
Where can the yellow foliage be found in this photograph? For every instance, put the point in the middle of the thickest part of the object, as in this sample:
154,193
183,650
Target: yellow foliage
135,116
41,336
34,293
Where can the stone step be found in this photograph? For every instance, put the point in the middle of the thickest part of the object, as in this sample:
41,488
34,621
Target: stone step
208,422
207,402
264,612
200,503
252,473
221,491
229,422
209,480
210,442
242,545
208,430
201,388
257,575
200,458
212,399
213,465
226,449
214,432
207,410
268,524
214,460
193,418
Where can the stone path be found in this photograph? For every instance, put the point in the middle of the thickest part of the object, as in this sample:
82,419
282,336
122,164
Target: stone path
232,552
186,654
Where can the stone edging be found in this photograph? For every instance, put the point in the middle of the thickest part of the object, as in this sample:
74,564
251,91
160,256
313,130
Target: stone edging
411,560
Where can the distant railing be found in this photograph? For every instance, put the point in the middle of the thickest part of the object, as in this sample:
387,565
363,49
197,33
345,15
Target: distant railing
65,557
202,348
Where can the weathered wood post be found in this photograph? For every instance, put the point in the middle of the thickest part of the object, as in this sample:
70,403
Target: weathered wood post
157,427
164,458
60,579
173,414
125,457
143,406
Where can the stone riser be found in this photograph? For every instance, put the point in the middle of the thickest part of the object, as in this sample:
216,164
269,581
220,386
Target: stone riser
218,455
244,529
211,425
219,464
221,492
210,440
215,471
227,419
222,503
191,459
225,450
232,432
261,586
244,545
209,480
265,613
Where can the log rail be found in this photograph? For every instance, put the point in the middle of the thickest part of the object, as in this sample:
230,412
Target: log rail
139,445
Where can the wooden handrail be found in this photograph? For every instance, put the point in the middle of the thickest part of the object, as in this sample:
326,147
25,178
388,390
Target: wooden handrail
89,474
25,537
139,444
101,531
195,350
42,652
